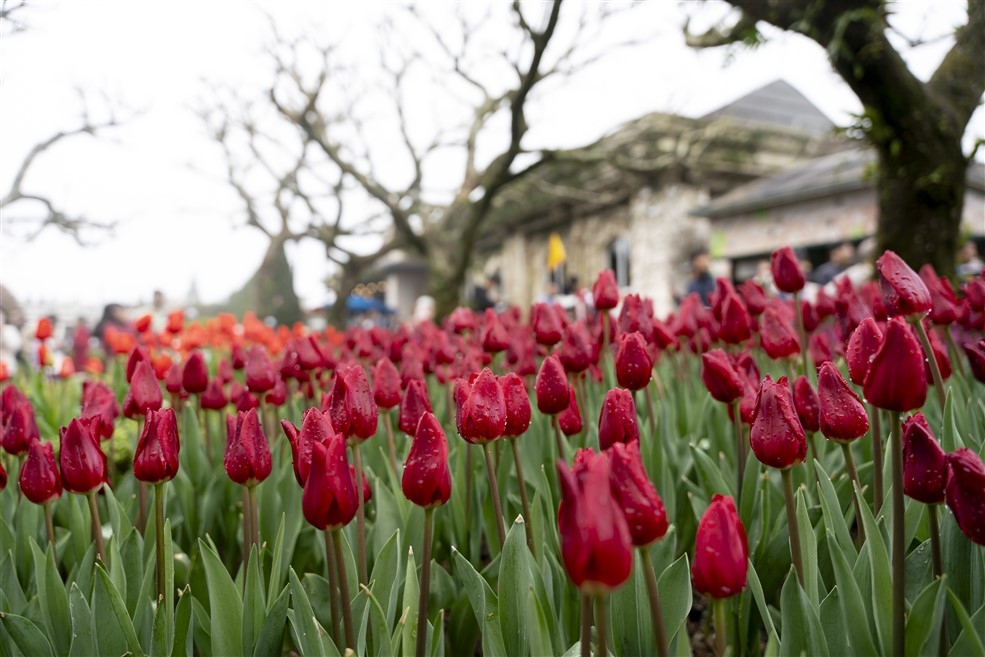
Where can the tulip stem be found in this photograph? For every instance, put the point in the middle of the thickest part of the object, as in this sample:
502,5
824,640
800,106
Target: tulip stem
558,440
802,334
586,624
360,516
656,615
524,502
97,526
876,460
141,488
935,541
650,409
332,573
159,533
247,532
494,493
425,588
203,420
251,492
49,526
899,573
853,476
602,622
935,369
952,350
468,486
721,625
740,448
350,633
795,554
391,446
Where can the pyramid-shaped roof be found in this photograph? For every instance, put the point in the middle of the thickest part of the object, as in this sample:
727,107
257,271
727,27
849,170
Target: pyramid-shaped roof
777,104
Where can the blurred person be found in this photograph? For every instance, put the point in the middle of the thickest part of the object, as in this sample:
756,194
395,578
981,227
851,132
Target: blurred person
80,344
10,343
114,316
840,258
969,264
702,282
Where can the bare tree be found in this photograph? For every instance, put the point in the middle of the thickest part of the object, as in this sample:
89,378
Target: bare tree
915,127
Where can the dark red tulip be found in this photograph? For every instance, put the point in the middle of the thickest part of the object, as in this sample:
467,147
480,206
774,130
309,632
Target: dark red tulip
576,349
137,354
965,493
386,384
353,409
633,364
940,355
546,325
924,462
20,427
99,402
596,546
277,395
605,292
635,494
315,428
415,404
145,392
720,377
330,499
309,355
195,375
787,274
777,437
260,374
517,404
213,399
944,303
776,336
807,404
367,489
976,359
483,410
3,477
896,379
754,296
172,381
903,292
427,480
633,316
82,462
238,357
551,387
843,417
617,420
735,321
461,320
246,400
862,347
493,336
569,420
721,550
39,480
156,458
247,459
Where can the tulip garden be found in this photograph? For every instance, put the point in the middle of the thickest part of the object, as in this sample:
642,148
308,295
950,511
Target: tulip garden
765,476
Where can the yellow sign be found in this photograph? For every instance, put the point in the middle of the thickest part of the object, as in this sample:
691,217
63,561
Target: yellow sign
555,252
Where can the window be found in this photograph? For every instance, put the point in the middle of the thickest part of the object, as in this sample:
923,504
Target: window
619,260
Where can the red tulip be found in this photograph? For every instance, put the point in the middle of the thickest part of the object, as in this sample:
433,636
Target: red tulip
415,404
278,394
99,402
596,546
353,409
545,324
976,359
617,420
386,384
82,462
461,320
807,404
316,427
843,417
493,336
247,458
44,329
965,493
213,399
635,494
517,404
176,321
633,316
195,375
735,321
330,499
605,292
924,462
144,394
172,380
238,357
427,480
551,387
777,437
20,427
483,410
786,271
754,296
896,379
309,355
721,550
720,377
156,458
862,347
776,336
633,364
39,480
569,420
137,354
3,473
576,350
944,303
903,292
260,375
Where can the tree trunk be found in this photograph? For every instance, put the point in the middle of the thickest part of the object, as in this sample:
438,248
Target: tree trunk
270,291
348,279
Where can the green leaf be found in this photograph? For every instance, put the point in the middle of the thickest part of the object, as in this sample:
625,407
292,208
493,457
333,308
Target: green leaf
752,578
254,604
308,631
384,582
275,582
514,588
674,585
226,607
924,622
437,633
853,609
109,595
540,632
950,436
182,621
26,635
801,626
271,637
630,618
882,581
711,475
159,634
82,641
410,604
485,605
831,624
168,576
52,596
808,550
834,519
968,643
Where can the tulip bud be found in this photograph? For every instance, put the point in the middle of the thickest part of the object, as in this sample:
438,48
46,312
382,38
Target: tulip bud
213,399
896,379
278,394
944,303
461,320
924,462
635,494
576,350
605,292
551,387
807,404
260,376
414,404
976,359
786,271
156,458
569,420
20,427
596,546
136,355
720,377
721,550
517,405
99,402
44,330
493,336
427,480
172,381
843,417
735,321
862,347
39,480
965,493
237,357
247,458
176,321
354,412
754,296
777,437
544,322
386,384
195,375
145,392
82,462
315,428
633,364
483,414
329,500
903,292
776,337
617,420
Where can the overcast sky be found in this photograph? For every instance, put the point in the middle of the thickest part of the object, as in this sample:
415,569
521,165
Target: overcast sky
159,176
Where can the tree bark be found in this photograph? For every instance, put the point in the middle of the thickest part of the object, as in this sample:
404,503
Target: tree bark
270,291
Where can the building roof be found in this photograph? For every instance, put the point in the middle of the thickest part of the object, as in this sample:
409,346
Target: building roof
837,173
776,104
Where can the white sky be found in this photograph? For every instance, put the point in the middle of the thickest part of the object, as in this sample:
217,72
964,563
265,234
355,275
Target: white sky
176,221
